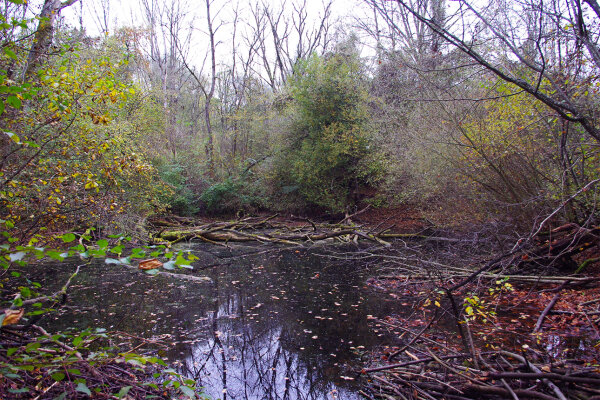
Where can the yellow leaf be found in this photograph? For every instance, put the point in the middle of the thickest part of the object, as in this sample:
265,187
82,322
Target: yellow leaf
91,185
12,316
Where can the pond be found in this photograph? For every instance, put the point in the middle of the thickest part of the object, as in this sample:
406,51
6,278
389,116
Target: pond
270,323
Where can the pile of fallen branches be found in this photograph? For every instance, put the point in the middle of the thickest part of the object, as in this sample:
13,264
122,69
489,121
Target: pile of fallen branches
426,368
267,230
428,374
559,247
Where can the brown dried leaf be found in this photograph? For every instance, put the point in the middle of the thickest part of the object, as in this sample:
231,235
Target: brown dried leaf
13,316
151,263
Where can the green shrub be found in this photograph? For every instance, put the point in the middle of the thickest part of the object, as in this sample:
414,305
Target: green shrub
183,200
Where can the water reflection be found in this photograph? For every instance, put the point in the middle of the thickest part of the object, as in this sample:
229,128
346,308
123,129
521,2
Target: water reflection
277,325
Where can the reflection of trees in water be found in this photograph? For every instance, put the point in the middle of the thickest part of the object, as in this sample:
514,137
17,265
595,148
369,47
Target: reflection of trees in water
266,308
244,359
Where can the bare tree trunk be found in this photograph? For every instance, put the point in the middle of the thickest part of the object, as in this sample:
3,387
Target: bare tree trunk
210,148
44,34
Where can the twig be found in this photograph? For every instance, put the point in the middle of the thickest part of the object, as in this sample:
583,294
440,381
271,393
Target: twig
415,338
510,390
540,320
414,362
54,296
354,215
450,368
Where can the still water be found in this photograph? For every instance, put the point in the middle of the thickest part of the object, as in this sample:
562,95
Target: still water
269,323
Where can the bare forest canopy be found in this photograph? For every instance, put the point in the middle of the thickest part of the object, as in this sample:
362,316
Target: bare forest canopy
484,116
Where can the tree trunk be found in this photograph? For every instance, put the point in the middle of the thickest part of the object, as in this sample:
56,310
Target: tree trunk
44,34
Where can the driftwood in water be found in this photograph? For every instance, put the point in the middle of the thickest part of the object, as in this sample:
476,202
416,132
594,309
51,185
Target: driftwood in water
268,230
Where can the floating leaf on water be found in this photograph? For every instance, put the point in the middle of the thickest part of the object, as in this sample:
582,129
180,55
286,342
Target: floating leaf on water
151,263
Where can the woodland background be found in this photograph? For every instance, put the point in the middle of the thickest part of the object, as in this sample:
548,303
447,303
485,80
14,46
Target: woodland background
303,117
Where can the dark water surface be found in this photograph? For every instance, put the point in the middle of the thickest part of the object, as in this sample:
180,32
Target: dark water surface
280,324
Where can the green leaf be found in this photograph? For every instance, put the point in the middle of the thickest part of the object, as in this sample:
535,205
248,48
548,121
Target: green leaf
152,385
29,143
112,261
79,247
82,387
77,341
12,350
10,53
152,272
102,243
117,250
32,346
58,376
123,392
14,101
22,390
187,391
180,260
68,237
54,255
